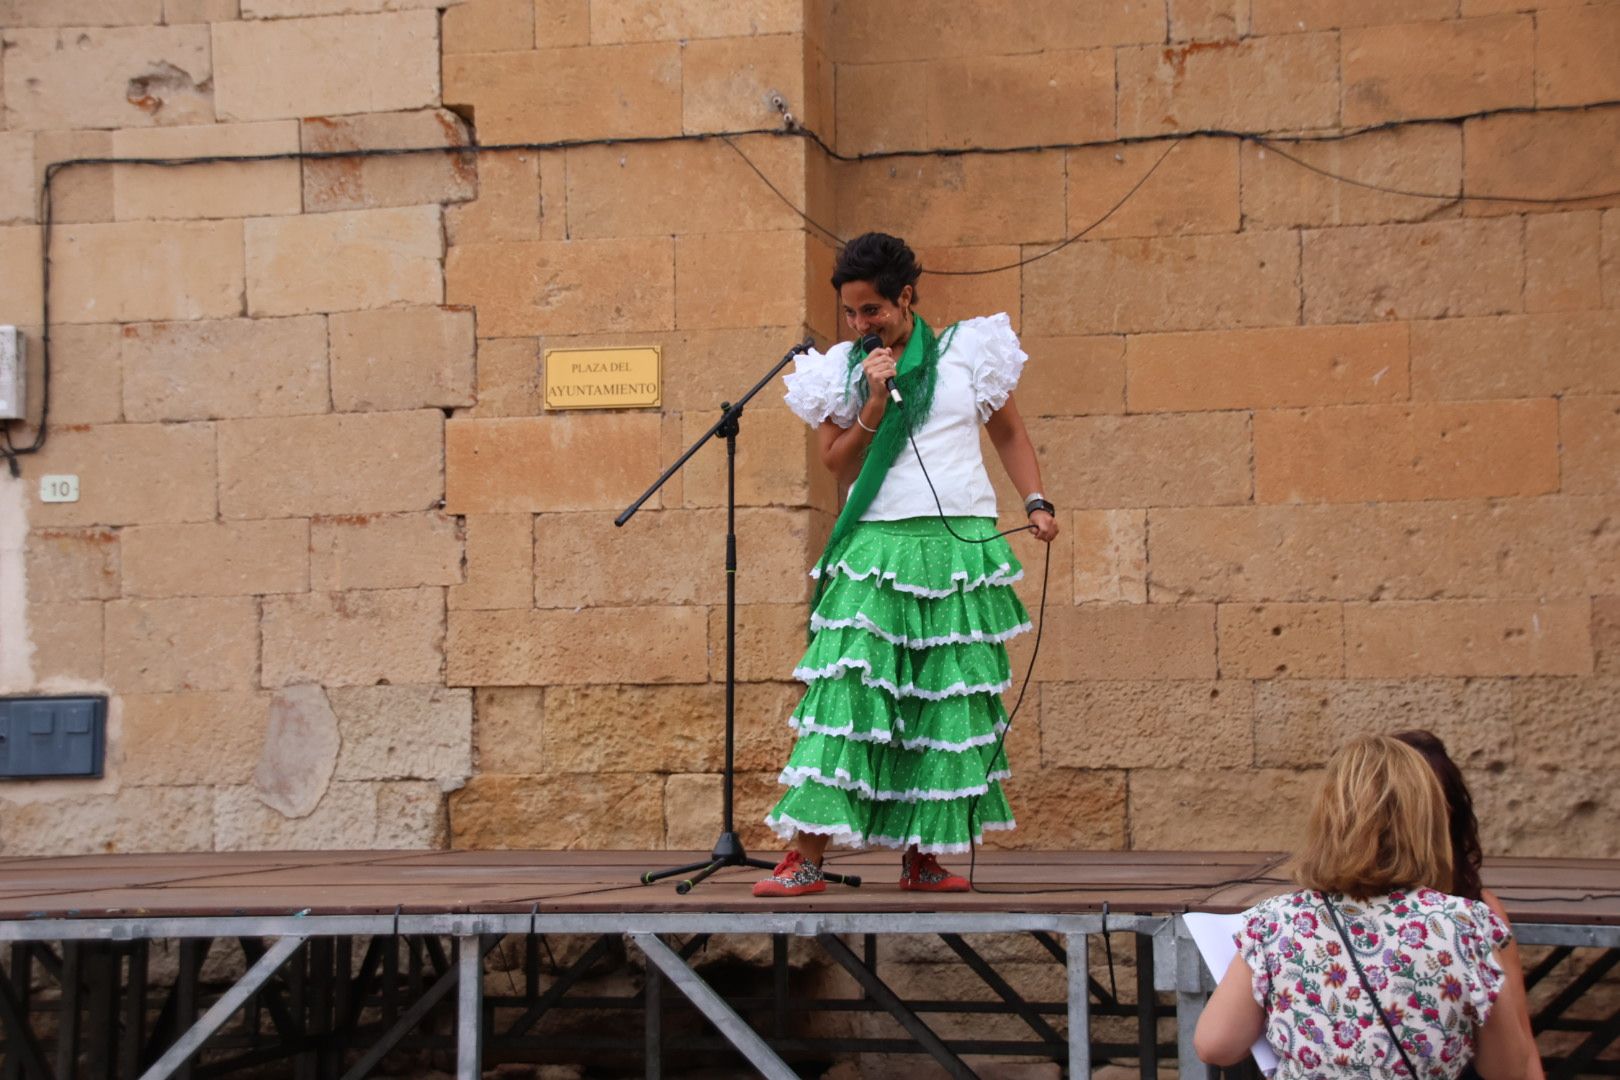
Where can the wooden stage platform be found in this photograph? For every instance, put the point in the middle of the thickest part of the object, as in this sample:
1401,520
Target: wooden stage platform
427,920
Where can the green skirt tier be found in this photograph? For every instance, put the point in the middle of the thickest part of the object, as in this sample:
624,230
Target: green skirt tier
900,722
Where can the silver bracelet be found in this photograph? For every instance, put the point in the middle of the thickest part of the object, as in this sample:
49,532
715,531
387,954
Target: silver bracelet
858,420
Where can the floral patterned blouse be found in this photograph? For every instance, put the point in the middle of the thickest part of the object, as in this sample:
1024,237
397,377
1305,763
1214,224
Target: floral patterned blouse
1428,956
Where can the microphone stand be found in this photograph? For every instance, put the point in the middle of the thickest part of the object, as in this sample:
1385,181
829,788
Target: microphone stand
728,850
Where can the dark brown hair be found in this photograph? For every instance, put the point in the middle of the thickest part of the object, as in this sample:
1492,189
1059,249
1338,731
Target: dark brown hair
1466,854
886,261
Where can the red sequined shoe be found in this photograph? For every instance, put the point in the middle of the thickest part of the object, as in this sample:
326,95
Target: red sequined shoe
922,873
793,876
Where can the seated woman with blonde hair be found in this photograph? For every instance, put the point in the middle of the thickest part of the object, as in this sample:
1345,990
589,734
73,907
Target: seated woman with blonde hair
1368,969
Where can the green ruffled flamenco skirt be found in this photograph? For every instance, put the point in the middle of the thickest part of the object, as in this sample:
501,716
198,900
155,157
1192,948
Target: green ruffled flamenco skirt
898,730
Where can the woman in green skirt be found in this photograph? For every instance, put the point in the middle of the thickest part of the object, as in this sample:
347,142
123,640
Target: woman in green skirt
899,729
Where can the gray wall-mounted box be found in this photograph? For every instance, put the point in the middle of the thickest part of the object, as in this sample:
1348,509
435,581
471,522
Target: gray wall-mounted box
13,374
52,736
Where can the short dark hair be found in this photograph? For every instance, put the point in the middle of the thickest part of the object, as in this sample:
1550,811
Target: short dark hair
1466,854
883,260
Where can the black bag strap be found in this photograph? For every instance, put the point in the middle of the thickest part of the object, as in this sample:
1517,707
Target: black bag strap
1378,1006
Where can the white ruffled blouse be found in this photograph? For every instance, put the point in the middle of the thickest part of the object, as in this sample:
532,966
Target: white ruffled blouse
976,374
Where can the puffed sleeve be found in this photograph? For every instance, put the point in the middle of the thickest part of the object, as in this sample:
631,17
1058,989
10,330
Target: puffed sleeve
1479,933
998,361
819,387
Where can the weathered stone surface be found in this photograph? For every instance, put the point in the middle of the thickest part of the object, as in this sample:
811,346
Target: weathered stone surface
1468,637
1575,50
1590,428
129,473
1561,724
1208,20
403,733
192,738
1389,452
1298,723
591,462
292,9
770,640
1606,634
1072,376
351,816
665,729
281,468
277,68
1264,641
1567,814
1129,641
234,558
953,295
1168,283
1266,369
558,812
1051,96
214,190
507,206
384,551
208,643
560,23
957,201
508,379
672,557
1562,261
489,26
78,192
402,358
620,21
1610,258
777,462
91,77
542,648
147,271
1503,152
611,91
343,261
354,638
661,189
213,368
136,819
1122,461
1110,556
360,183
1193,188
1516,356
176,12
499,564
1556,547
1290,16
1261,84
1190,810
73,564
863,33
713,270
1279,193
300,750
80,12
86,377
509,729
1065,809
1127,725
693,809
21,284
728,84
1426,271
67,640
568,287
19,194
1444,68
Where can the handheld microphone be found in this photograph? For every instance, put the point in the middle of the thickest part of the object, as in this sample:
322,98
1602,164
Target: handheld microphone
868,344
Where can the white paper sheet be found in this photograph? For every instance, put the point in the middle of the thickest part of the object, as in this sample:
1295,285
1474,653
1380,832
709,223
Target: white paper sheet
1213,936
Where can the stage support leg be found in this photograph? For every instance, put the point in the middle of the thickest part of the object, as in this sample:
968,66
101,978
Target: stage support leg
470,1010
1147,1008
653,1003
1192,990
212,1020
1079,1005
713,1006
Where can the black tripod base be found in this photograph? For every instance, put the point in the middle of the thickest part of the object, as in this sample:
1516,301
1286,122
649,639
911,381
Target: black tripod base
728,851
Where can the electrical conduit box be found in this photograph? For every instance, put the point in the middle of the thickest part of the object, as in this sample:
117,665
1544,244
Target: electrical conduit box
52,736
13,366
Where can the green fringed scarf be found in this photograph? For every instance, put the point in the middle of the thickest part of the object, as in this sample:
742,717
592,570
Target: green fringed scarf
915,375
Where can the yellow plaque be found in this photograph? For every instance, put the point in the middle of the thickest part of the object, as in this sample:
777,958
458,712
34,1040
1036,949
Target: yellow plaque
604,378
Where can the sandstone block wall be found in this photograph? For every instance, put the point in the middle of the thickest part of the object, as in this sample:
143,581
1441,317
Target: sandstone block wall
1329,458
